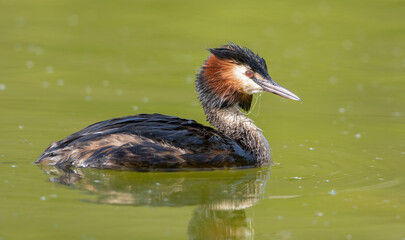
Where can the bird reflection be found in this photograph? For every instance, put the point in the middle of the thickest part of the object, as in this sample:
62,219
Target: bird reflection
214,224
222,197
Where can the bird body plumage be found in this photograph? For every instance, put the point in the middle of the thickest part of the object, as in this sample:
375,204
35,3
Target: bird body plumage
147,141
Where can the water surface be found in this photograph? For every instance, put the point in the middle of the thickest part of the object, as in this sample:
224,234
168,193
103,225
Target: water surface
339,154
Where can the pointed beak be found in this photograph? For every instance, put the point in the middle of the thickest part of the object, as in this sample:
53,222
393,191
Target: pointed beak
269,85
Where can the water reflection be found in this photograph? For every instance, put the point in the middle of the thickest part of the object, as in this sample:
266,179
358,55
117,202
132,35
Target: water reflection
222,197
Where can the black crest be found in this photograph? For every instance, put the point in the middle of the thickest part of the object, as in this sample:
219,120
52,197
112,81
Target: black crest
241,55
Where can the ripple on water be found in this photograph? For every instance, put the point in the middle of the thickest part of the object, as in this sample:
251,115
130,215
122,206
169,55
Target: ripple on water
29,64
61,82
49,69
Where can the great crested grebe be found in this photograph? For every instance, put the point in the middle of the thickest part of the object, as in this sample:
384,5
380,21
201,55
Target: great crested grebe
225,86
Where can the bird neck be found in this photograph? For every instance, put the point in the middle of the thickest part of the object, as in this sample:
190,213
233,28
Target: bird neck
234,124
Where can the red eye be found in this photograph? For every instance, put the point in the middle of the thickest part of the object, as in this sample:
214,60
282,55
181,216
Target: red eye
249,73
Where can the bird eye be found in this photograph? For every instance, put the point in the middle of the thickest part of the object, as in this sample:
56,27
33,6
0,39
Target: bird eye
249,73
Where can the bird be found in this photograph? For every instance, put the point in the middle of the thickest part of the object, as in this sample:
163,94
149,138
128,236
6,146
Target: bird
225,85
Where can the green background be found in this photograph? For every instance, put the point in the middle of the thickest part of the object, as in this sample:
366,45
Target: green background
340,153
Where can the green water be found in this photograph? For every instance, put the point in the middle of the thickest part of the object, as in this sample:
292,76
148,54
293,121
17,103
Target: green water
340,153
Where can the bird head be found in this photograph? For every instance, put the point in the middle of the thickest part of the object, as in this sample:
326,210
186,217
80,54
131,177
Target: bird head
232,74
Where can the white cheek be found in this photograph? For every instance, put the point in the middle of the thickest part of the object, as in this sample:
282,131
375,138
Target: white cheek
248,85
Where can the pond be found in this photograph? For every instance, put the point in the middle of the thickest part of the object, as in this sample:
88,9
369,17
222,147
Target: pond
339,155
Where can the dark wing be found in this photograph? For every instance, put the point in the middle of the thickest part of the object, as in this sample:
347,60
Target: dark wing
147,141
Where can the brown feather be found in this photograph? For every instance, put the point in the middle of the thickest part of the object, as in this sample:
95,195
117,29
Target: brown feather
220,78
